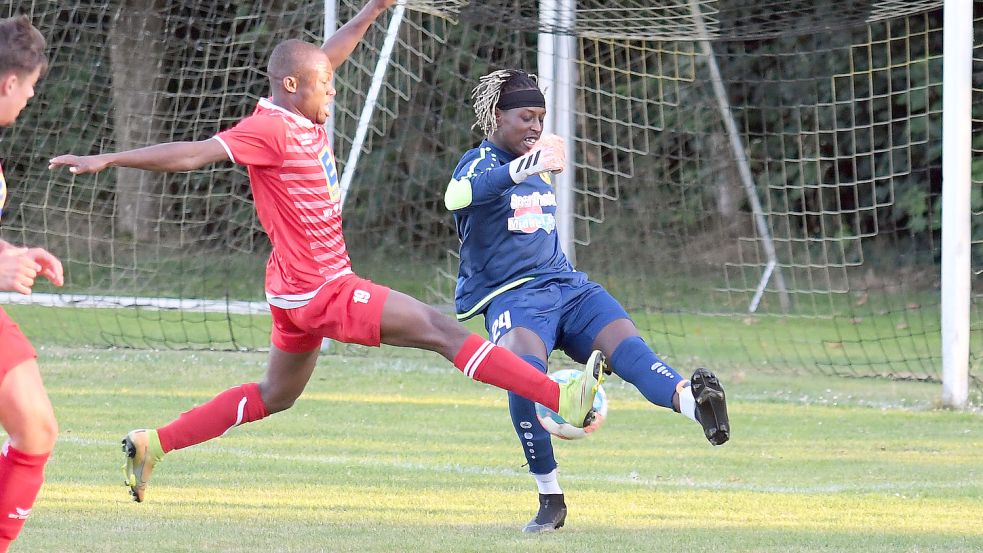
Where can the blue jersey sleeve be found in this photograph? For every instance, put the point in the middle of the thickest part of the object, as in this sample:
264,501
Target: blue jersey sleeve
479,178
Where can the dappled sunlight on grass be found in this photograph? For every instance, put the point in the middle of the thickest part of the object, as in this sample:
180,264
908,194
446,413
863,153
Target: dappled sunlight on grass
419,459
626,509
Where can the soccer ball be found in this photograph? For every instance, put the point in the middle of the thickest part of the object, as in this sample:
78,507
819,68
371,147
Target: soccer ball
554,423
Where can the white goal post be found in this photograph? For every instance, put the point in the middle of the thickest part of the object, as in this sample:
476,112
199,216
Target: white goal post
957,88
557,77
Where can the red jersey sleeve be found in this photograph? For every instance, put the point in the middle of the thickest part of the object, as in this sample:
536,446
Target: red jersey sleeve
258,140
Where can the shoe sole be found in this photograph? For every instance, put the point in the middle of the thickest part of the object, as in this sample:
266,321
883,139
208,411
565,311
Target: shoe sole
598,365
541,528
711,406
129,469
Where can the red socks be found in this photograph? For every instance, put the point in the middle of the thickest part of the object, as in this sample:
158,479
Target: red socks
225,411
485,362
21,475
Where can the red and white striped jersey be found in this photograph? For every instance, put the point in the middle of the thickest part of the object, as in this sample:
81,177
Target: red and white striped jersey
297,194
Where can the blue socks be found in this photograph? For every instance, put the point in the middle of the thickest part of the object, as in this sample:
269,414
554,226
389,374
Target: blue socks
637,364
534,438
632,360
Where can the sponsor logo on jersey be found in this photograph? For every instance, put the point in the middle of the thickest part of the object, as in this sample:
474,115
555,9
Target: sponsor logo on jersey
535,199
529,216
530,219
330,173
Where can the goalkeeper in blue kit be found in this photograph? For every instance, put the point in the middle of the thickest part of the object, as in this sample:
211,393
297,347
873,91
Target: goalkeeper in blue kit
534,301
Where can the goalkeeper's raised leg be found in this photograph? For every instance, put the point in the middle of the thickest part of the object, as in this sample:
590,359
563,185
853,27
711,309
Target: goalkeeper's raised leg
711,406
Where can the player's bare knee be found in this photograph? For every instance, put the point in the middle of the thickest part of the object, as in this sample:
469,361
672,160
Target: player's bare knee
281,405
448,334
47,433
37,437
432,330
445,326
277,399
276,404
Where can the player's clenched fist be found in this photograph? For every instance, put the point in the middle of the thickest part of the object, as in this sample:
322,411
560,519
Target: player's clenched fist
50,266
19,267
549,154
17,270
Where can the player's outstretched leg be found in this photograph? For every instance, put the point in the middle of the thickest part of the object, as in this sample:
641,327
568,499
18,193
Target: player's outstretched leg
143,451
552,514
711,406
577,395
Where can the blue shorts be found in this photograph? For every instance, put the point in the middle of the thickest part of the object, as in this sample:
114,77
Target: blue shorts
566,312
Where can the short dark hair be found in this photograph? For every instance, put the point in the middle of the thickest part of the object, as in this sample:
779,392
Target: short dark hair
287,59
21,47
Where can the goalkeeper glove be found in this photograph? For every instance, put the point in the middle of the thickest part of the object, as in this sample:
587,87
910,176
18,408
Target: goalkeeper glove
548,154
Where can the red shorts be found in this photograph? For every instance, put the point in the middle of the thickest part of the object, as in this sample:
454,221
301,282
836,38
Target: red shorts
14,346
348,310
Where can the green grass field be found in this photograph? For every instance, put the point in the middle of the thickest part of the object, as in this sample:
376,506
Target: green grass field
392,450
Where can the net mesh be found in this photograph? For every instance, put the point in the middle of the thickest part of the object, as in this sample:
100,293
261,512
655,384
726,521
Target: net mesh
836,107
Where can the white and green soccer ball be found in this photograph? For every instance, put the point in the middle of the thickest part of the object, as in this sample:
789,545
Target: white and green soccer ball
557,426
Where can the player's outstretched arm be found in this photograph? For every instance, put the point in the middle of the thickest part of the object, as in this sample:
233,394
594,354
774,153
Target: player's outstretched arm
171,157
342,42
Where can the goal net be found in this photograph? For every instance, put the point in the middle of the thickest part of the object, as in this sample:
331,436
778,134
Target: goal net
759,182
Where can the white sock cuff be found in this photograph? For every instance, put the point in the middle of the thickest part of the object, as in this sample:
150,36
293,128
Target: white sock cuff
548,483
687,403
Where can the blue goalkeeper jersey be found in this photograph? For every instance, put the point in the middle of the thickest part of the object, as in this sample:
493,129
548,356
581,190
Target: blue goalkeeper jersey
507,230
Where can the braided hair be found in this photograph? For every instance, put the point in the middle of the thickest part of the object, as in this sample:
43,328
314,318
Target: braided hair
489,90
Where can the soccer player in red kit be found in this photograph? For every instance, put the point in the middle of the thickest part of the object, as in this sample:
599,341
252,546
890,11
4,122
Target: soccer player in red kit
25,411
310,286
